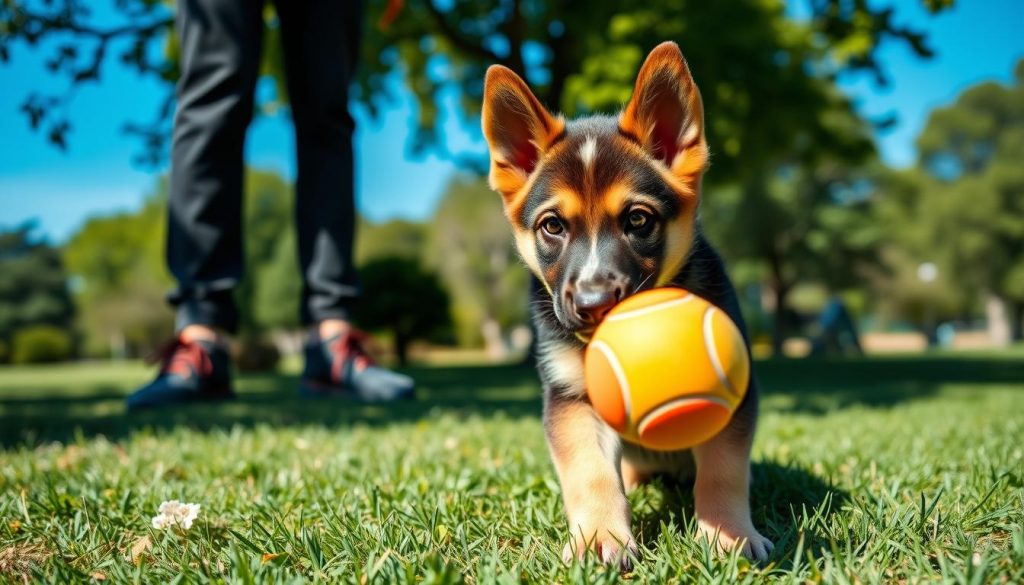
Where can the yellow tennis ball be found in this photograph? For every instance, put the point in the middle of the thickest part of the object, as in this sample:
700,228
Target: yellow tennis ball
667,369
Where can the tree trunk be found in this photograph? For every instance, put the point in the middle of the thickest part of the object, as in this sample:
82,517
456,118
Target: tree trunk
997,319
780,326
402,348
515,31
780,293
1017,321
494,343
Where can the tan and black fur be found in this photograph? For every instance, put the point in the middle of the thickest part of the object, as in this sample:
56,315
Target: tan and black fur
602,208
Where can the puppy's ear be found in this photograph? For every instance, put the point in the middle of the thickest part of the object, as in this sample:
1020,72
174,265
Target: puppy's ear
517,127
666,114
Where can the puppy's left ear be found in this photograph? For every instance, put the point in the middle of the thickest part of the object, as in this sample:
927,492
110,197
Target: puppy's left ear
666,114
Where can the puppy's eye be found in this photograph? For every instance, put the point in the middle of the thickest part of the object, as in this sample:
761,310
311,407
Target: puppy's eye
552,225
638,219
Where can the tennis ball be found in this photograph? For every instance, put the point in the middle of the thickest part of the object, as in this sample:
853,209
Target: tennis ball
667,369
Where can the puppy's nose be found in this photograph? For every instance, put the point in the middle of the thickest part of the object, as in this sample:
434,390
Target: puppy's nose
593,304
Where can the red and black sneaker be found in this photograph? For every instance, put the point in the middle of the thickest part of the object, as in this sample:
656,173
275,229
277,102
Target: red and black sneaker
341,365
190,371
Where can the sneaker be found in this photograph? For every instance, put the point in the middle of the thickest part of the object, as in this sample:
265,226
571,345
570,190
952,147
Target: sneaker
190,371
341,365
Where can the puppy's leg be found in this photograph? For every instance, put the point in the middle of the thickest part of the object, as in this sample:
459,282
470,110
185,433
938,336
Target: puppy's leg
632,476
586,453
721,491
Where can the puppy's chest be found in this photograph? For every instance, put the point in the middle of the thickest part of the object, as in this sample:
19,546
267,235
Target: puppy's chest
560,365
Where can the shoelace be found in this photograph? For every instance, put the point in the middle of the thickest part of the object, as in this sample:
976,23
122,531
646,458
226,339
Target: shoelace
183,358
352,345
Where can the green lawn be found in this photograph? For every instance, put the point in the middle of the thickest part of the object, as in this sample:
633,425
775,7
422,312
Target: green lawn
901,469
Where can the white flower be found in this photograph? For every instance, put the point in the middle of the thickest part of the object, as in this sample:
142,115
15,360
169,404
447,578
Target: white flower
174,513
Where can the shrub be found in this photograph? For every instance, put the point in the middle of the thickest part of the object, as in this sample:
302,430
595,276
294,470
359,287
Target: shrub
254,354
40,343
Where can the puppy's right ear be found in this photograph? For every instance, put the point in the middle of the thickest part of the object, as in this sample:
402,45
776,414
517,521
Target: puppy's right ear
517,127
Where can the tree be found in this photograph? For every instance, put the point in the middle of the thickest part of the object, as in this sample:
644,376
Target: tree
768,89
403,299
395,238
974,148
580,56
278,286
471,248
966,196
807,221
117,262
768,85
917,228
34,287
271,256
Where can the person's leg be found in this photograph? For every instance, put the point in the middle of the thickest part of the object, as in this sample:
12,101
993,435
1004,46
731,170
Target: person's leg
321,41
220,46
220,55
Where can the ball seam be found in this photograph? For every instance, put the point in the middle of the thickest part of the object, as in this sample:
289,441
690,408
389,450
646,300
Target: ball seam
620,375
712,349
654,412
650,309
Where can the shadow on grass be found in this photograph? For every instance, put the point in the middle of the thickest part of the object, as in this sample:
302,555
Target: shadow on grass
51,405
51,413
787,502
816,386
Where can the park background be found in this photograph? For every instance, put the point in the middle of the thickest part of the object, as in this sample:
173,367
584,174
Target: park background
864,154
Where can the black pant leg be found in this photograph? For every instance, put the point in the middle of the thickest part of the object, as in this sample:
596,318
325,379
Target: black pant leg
220,56
321,41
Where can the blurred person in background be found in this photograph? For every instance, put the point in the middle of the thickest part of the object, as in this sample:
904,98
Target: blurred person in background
220,43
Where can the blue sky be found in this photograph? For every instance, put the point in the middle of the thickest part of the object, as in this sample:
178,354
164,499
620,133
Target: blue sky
975,41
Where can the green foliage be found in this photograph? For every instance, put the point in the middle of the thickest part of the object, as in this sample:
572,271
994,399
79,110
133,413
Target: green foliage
40,344
403,299
963,206
763,73
470,247
581,56
117,262
33,286
397,238
278,286
270,287
767,79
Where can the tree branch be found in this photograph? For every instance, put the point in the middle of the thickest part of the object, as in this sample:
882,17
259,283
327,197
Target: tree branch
456,38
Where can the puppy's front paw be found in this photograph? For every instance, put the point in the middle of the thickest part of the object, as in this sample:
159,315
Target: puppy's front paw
730,534
611,541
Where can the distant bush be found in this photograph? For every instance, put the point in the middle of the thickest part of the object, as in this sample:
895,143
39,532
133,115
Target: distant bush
253,354
39,344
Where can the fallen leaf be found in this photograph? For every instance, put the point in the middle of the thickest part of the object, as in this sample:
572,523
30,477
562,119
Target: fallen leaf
267,557
139,548
19,560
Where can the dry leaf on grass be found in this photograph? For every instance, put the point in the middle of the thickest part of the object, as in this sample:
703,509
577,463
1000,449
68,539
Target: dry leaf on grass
18,560
267,557
139,549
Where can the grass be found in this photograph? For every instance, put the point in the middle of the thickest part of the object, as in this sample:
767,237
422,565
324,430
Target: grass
902,469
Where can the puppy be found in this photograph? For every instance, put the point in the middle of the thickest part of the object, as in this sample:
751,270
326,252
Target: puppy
601,208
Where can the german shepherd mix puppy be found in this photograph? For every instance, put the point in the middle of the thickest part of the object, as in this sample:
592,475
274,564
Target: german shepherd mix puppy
602,208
